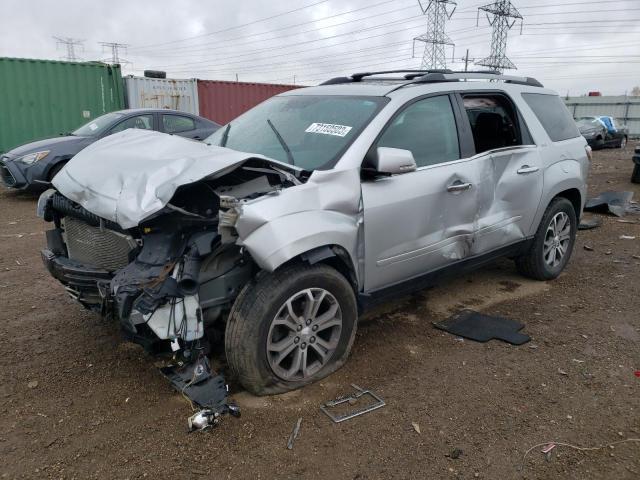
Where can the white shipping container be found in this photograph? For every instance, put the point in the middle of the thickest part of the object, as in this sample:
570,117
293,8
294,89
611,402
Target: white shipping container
143,92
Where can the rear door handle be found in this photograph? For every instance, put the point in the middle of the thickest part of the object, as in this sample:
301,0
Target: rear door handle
523,170
458,187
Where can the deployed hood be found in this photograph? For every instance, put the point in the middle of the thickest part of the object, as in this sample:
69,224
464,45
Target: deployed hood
130,175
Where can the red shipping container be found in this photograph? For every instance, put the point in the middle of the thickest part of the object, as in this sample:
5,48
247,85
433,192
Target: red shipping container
222,101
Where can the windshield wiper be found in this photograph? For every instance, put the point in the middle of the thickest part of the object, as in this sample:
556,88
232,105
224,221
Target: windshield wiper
225,136
285,147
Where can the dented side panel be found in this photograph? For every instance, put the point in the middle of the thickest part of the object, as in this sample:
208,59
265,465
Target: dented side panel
507,200
413,224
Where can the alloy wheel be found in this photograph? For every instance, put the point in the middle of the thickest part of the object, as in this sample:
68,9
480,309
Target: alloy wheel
557,238
304,334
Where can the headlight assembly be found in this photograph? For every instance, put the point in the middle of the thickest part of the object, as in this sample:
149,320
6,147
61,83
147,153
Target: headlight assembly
33,157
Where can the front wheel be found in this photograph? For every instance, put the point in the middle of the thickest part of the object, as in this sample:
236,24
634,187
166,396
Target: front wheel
290,328
552,244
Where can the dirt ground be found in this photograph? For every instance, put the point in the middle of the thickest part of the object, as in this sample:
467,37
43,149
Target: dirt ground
78,402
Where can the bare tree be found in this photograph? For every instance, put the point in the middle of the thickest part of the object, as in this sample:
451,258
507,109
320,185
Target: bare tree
635,91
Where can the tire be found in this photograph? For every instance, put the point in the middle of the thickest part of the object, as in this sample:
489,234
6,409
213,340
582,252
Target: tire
599,144
635,176
54,171
260,322
623,143
535,262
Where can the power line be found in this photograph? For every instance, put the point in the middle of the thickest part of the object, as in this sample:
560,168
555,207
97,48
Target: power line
322,19
262,40
70,44
253,53
115,52
235,27
435,39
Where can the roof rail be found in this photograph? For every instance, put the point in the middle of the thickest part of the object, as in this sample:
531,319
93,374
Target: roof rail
435,76
357,77
461,76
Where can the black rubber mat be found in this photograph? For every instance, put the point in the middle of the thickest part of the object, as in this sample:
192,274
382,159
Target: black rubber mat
482,328
616,203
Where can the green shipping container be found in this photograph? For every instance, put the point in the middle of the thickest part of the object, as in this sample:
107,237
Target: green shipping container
44,98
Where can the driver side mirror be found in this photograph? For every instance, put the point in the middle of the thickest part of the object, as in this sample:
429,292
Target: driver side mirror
392,161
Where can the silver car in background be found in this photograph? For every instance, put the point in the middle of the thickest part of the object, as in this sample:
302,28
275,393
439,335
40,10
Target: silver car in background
312,207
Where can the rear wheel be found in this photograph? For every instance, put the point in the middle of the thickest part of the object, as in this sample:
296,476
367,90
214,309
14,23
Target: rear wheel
623,142
552,243
635,176
290,328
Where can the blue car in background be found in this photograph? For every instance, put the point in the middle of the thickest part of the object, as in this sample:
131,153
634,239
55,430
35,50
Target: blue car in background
603,131
32,166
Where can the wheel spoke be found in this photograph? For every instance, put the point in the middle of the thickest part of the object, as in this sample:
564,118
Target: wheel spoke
327,316
322,353
296,363
285,353
563,222
313,303
287,321
561,251
552,257
292,313
303,362
331,345
282,344
334,322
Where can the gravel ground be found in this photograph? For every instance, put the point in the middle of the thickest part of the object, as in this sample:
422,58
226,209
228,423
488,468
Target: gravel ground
78,402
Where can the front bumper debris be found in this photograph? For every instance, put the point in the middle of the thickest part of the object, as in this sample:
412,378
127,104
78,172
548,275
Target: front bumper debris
80,281
204,389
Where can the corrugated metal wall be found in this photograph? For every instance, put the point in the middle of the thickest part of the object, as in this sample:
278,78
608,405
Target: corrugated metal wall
223,101
622,107
143,92
43,98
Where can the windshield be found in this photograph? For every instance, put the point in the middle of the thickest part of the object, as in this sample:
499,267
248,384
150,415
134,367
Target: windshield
589,122
310,132
98,126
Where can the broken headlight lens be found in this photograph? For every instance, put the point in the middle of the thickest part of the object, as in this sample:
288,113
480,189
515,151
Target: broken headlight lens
33,157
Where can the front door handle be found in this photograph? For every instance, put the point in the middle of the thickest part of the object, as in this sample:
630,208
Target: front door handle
523,170
458,187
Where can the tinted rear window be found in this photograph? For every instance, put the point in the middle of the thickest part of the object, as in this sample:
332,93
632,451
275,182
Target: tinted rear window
553,115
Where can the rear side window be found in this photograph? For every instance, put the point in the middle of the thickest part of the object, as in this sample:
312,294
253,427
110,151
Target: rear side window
553,115
428,129
493,120
177,124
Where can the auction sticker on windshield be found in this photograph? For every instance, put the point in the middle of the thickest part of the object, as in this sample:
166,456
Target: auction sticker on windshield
328,129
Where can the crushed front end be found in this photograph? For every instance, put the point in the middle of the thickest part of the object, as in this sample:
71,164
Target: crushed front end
170,280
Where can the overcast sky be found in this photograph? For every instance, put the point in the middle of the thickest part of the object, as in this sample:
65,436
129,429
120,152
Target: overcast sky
570,46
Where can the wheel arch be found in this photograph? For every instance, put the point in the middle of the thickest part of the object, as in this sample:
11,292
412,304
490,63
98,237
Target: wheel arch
574,196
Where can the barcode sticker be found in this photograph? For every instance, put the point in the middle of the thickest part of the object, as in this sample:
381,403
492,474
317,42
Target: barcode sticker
329,129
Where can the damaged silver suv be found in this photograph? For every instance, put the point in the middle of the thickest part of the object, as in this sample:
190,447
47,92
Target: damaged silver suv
310,208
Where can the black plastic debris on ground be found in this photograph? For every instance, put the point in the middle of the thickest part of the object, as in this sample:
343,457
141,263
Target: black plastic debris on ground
616,203
482,328
196,381
589,223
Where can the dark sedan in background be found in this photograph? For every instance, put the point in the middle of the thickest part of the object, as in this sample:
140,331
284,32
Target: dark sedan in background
603,131
33,165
